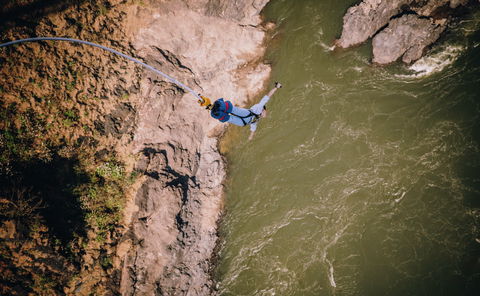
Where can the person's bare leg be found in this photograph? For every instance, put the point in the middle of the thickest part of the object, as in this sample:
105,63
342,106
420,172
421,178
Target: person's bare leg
262,104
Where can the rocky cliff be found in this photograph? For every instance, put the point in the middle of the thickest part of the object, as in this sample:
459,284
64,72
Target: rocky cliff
215,47
116,171
400,28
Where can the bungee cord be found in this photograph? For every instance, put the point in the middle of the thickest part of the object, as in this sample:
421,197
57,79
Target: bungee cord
202,100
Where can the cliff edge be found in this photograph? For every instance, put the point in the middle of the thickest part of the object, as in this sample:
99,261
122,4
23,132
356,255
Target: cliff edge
215,47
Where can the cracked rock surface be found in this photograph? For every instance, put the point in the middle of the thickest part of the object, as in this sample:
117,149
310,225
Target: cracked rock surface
407,36
214,47
365,19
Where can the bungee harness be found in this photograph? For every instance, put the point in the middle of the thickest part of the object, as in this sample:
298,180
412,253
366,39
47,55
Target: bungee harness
222,110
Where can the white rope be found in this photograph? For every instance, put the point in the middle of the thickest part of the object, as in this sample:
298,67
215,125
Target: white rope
169,78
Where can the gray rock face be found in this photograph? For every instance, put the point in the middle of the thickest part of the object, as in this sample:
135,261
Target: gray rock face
245,12
365,19
173,218
407,36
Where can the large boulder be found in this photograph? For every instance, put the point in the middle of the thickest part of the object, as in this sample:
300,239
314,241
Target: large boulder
365,19
407,36
405,32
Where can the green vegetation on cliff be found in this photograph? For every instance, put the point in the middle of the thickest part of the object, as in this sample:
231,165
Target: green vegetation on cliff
63,129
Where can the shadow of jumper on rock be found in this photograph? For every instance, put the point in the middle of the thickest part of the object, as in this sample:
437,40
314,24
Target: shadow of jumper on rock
154,164
182,182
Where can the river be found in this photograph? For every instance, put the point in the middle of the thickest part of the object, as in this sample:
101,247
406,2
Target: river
362,180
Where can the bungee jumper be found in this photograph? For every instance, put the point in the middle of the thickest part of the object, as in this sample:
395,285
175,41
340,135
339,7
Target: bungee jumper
225,111
222,110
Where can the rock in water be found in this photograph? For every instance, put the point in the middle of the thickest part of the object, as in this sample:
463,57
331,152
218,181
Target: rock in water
365,19
410,26
407,36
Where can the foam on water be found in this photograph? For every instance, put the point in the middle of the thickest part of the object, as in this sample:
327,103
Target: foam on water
435,62
330,274
326,47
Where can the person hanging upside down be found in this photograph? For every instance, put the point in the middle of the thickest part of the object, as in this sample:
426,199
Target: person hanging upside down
225,111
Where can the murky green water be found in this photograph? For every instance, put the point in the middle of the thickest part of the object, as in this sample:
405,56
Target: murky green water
363,180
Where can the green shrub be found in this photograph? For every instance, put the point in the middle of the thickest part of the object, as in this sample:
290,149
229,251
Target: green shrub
111,170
